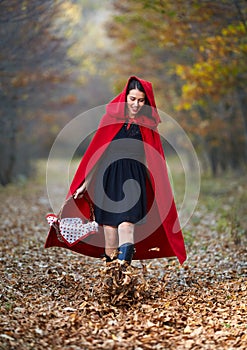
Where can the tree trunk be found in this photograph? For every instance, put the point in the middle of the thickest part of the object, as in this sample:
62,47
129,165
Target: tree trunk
8,138
241,96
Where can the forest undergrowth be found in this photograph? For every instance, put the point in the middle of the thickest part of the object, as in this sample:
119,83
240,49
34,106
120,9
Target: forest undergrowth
55,299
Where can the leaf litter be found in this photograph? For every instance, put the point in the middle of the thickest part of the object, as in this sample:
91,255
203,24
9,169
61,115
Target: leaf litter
56,299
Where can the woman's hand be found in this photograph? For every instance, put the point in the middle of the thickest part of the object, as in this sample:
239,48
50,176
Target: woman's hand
79,191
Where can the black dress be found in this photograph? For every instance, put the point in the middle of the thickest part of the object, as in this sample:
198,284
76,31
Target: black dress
120,187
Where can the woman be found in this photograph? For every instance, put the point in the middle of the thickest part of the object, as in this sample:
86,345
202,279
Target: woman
123,176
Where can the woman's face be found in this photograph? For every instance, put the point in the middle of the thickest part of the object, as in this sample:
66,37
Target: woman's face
135,101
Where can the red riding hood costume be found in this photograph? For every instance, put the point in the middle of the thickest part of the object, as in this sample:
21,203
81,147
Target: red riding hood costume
160,234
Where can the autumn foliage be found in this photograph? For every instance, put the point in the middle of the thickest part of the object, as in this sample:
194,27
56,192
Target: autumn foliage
195,53
44,67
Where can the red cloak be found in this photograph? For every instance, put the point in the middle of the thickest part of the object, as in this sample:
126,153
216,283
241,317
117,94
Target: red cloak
161,235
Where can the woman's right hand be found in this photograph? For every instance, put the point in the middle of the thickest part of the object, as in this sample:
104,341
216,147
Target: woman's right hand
79,191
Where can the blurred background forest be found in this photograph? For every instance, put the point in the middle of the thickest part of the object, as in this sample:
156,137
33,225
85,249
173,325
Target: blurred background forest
60,58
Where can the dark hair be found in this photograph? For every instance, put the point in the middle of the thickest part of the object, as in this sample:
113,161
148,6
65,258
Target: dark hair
135,84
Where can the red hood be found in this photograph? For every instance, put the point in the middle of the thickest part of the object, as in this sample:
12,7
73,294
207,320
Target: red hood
116,107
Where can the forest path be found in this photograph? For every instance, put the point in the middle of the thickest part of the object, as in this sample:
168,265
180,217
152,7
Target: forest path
51,298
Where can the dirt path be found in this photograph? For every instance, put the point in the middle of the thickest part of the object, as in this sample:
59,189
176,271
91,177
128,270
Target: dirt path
51,299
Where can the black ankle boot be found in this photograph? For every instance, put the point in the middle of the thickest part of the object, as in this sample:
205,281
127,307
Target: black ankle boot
111,258
126,252
107,258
